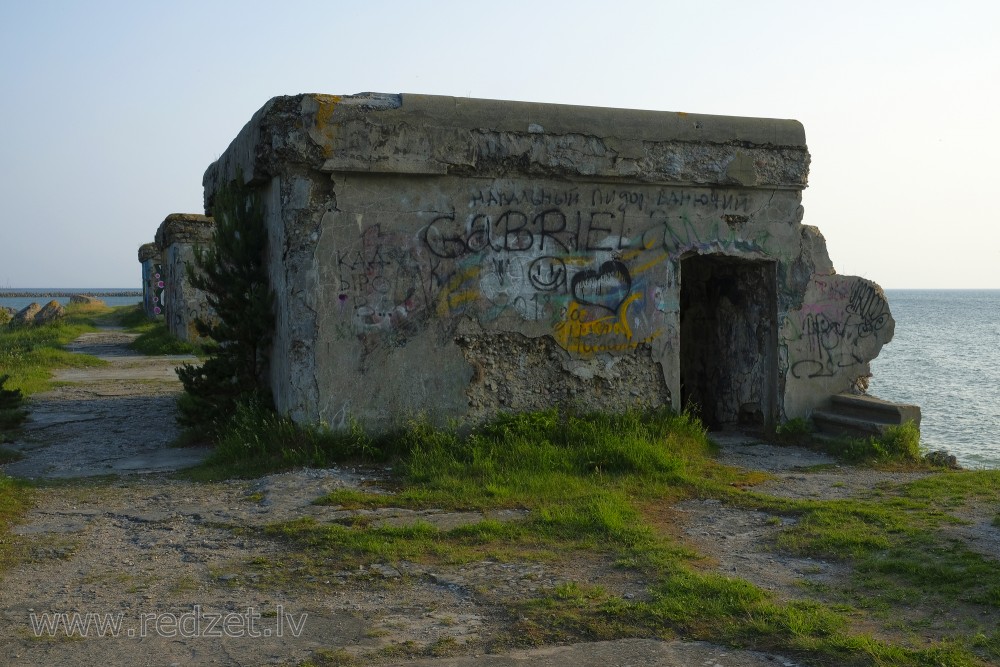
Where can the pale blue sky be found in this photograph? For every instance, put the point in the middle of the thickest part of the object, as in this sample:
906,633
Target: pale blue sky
111,111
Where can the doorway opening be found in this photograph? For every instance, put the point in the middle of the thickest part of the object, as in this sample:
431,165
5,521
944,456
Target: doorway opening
729,340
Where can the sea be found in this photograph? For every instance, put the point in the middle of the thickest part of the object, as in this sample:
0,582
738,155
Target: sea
944,357
41,295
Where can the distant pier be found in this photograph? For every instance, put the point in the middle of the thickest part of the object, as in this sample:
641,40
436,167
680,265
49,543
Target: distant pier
31,294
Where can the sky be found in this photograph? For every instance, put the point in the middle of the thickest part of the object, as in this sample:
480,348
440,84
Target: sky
110,112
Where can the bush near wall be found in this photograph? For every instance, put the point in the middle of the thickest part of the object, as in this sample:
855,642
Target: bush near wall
233,274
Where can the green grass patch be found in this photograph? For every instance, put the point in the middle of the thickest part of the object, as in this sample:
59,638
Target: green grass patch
899,444
795,431
591,485
256,441
134,318
15,500
157,340
902,557
29,354
154,336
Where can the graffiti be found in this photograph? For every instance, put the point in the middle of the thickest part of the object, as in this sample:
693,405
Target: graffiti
866,302
839,333
580,259
580,333
549,231
547,274
622,198
159,289
606,288
538,197
724,201
826,344
524,197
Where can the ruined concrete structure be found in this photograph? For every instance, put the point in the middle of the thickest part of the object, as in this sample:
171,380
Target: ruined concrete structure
153,284
180,302
460,257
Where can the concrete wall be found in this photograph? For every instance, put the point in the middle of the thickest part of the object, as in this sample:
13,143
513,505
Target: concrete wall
153,283
461,257
178,236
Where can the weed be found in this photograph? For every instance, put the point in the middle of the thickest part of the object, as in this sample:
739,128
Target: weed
796,431
331,658
898,444
29,353
443,646
256,440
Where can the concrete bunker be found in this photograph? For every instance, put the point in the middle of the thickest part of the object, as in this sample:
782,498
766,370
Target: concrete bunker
181,303
459,257
153,282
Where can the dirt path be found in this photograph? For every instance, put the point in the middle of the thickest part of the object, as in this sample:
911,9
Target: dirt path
111,419
169,557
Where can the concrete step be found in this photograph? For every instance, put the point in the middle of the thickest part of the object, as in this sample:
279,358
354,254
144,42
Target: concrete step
873,408
834,423
857,415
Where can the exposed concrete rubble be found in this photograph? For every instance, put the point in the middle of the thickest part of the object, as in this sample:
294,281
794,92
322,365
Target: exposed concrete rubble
86,300
33,314
460,257
181,303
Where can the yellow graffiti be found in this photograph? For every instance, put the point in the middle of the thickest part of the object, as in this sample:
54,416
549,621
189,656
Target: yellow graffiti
452,294
650,264
612,333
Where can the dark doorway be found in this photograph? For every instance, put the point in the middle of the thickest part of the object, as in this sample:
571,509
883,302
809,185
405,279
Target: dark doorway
729,340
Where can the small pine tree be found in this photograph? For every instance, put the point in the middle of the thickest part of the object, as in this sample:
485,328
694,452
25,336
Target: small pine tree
10,399
233,273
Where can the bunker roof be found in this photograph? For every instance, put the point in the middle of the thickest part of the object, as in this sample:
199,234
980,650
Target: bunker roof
184,228
428,134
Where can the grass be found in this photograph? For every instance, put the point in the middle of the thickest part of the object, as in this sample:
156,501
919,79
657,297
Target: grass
15,500
154,337
29,354
899,444
590,485
257,441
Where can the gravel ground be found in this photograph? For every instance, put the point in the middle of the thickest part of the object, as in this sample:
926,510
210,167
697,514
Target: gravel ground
163,552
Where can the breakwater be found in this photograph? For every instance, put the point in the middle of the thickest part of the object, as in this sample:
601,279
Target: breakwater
31,294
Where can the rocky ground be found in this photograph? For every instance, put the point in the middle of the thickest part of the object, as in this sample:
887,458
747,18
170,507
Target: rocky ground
112,533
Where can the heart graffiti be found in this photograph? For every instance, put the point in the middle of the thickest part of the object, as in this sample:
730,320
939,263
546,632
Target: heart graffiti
606,288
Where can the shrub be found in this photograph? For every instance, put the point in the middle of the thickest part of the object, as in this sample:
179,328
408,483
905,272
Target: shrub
11,402
233,273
